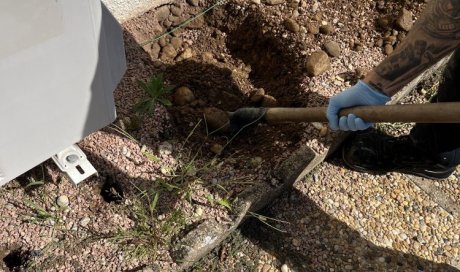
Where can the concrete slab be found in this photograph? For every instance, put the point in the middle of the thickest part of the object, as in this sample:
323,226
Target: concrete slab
125,10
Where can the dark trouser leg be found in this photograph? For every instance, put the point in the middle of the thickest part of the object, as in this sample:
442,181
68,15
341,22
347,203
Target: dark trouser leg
443,140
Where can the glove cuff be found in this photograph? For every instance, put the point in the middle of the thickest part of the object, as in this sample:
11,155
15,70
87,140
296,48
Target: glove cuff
373,93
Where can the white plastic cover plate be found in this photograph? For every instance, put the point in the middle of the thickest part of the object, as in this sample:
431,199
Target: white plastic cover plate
59,65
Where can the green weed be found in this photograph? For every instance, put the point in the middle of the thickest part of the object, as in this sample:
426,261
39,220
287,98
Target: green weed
156,91
149,233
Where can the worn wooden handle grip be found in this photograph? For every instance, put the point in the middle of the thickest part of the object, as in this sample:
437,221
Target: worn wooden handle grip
446,112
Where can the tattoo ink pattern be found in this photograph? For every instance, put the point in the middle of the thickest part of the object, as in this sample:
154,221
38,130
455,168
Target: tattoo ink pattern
408,58
436,34
443,20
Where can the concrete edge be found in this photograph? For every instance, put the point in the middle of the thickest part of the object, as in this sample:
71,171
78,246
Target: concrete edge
126,10
208,235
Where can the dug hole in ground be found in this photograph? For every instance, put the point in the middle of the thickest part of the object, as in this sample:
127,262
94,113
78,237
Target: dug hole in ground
171,189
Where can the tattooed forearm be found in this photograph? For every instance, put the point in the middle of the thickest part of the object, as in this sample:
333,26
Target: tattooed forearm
442,20
436,34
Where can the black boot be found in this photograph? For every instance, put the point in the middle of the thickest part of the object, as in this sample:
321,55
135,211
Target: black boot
374,152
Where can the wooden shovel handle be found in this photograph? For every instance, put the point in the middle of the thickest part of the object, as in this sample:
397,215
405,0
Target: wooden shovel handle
446,112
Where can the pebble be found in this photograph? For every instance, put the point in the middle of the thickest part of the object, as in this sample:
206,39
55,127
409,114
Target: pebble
403,236
165,148
154,51
317,125
256,162
258,95
217,149
332,48
315,7
388,49
265,268
162,13
208,57
168,52
63,201
269,101
197,23
326,29
176,11
285,268
199,212
257,2
312,28
84,221
296,242
176,42
323,131
360,73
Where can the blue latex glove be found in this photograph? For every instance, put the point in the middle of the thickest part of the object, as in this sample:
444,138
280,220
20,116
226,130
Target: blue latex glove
360,94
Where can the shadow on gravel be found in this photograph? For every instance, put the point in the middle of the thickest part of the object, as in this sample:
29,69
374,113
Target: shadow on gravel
323,242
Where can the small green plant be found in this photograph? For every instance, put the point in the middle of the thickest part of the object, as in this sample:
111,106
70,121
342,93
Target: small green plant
150,233
38,214
33,182
156,91
151,157
225,202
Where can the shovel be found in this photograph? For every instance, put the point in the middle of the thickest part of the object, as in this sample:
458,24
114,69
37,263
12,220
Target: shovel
443,112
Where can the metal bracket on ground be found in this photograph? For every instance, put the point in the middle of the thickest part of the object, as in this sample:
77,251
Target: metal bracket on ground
74,163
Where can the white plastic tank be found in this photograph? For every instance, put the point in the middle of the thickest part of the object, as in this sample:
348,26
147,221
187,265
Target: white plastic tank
60,61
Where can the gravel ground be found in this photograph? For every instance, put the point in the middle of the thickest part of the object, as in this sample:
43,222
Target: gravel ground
339,220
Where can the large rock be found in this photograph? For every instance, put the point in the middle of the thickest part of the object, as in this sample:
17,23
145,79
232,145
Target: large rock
168,52
197,23
188,53
216,119
162,13
332,48
176,42
404,20
155,50
291,25
183,96
258,96
326,29
176,11
318,63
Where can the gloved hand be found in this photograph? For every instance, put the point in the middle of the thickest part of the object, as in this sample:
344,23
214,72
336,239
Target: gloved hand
360,94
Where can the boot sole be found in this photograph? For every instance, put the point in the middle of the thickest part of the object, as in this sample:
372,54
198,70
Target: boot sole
436,176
